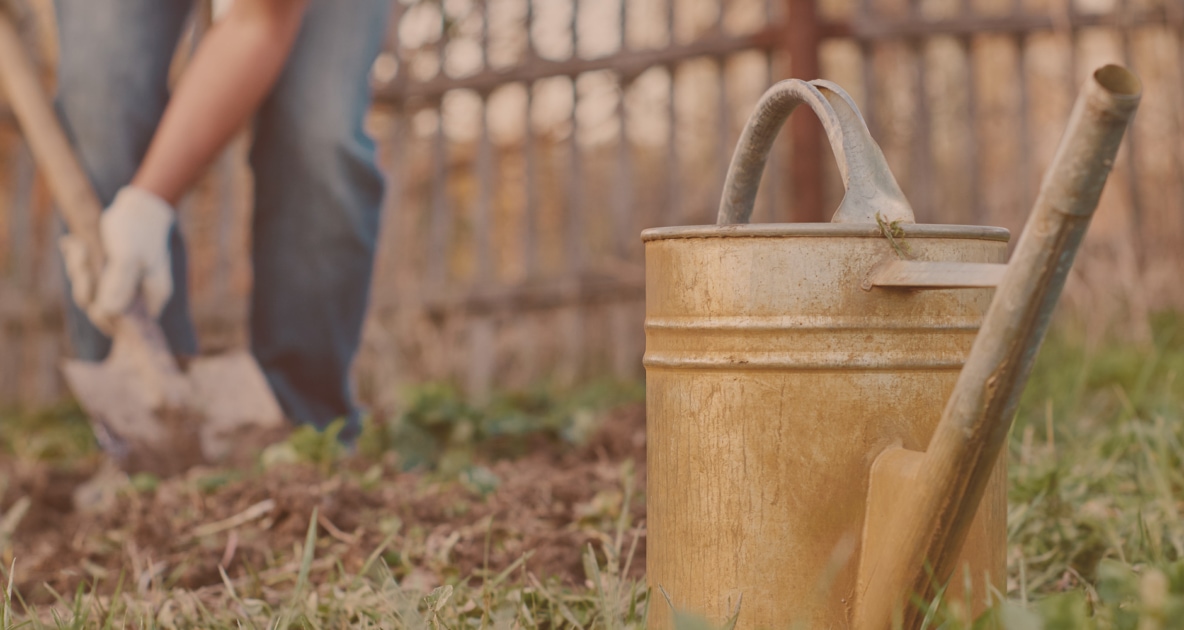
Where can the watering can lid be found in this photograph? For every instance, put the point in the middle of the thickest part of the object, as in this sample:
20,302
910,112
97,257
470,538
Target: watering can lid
872,202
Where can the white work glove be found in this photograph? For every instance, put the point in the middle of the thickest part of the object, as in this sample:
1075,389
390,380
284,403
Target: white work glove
134,231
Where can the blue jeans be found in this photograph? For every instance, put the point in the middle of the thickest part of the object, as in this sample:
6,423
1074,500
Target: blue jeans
318,191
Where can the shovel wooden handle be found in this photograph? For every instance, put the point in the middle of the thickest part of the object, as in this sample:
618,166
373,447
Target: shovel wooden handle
68,183
927,530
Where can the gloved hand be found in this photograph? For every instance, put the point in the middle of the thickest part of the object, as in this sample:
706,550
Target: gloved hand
134,231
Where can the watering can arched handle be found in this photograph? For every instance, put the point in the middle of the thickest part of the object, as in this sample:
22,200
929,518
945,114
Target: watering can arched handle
870,187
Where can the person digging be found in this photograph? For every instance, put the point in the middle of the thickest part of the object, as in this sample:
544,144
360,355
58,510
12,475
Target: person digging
300,69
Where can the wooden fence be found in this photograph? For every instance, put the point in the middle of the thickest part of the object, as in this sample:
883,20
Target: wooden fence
527,142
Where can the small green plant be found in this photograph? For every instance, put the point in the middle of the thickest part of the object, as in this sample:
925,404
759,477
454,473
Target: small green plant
58,434
440,430
895,235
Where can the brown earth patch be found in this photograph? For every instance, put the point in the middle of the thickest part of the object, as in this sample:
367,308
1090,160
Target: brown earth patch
548,505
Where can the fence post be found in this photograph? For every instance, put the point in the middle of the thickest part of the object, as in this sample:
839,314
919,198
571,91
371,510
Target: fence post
802,41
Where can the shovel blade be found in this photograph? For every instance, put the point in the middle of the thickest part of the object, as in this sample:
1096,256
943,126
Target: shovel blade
152,417
240,411
140,436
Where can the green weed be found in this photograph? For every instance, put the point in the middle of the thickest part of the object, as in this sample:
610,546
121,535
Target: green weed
439,430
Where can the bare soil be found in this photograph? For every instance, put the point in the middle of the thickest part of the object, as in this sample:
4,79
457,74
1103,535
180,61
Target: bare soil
549,504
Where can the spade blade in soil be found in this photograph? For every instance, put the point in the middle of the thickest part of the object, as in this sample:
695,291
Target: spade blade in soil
152,417
241,414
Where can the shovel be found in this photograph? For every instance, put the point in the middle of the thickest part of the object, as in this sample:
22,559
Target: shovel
921,504
148,412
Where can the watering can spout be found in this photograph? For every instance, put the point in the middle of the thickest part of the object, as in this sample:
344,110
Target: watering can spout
927,530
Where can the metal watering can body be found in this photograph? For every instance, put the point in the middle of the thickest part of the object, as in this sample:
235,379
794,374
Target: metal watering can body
773,380
799,378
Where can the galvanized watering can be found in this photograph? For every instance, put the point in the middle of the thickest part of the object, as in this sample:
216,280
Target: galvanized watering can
827,403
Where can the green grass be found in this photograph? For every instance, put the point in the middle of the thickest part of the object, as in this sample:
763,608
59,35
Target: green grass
1096,538
370,598
1097,482
59,435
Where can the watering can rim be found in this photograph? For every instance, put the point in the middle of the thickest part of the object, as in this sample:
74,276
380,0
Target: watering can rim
847,230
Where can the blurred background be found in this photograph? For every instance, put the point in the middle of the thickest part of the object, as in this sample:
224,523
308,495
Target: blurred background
528,142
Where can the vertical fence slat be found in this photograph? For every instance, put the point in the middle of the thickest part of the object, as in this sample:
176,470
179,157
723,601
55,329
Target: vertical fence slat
974,187
920,154
723,140
674,201
1131,150
46,341
620,323
380,362
771,185
623,223
575,190
1023,176
571,319
21,220
1023,165
19,279
867,55
921,150
398,223
482,224
482,329
805,167
575,178
530,215
26,238
440,221
226,209
674,212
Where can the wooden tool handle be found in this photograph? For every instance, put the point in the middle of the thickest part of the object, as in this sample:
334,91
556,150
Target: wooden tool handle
70,186
927,531
68,183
